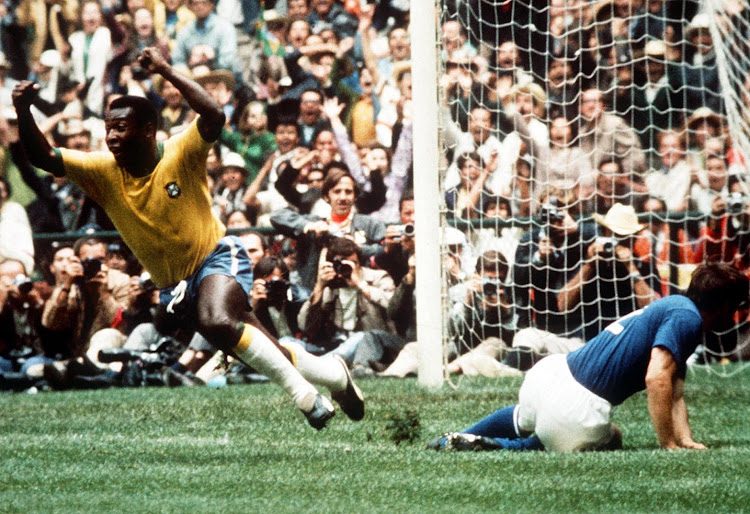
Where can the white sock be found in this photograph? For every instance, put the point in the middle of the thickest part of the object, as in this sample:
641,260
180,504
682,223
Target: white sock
326,370
256,349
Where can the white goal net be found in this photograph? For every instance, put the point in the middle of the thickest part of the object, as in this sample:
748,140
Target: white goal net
570,128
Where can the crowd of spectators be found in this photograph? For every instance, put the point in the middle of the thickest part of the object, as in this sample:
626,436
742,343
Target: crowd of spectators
602,121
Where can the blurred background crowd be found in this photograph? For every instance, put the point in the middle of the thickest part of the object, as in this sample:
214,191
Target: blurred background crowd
603,121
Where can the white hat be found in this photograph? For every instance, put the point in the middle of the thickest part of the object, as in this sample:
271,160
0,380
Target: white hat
452,236
656,47
233,160
700,21
50,59
620,219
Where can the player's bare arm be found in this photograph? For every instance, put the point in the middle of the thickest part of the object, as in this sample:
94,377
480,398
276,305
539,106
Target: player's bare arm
212,117
680,418
39,151
660,377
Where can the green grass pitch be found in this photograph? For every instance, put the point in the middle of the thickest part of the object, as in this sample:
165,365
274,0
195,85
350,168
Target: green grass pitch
246,449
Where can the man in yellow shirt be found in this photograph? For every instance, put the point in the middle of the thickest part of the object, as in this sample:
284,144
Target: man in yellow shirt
157,196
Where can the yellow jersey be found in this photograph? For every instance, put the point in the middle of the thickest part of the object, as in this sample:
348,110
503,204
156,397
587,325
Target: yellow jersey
165,218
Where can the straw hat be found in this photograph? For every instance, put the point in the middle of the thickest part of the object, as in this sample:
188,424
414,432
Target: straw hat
656,48
214,76
620,219
700,21
399,69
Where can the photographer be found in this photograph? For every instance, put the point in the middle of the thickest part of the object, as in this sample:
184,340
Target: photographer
21,334
726,235
399,241
276,302
346,312
613,281
313,232
87,298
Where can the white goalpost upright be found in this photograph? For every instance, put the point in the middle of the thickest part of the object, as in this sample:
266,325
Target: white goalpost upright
427,192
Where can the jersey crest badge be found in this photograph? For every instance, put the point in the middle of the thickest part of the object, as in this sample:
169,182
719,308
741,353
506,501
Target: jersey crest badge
173,190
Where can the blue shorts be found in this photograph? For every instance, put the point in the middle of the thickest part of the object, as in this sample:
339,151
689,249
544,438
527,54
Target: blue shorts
228,258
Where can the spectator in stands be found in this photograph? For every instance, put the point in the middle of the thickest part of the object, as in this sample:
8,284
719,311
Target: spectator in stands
15,230
468,199
329,13
704,191
21,334
605,135
252,141
311,118
87,297
276,302
395,170
231,188
312,232
398,247
612,280
702,71
170,17
175,113
455,42
671,181
208,28
482,326
615,185
569,166
346,312
725,236
90,52
702,126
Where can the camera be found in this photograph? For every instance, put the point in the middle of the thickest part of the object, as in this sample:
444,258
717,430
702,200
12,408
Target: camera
147,285
343,272
23,283
276,290
91,267
550,213
407,230
491,287
735,203
608,245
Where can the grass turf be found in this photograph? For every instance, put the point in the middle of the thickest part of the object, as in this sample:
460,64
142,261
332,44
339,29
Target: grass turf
245,447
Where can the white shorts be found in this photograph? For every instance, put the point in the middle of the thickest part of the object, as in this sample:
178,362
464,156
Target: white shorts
565,415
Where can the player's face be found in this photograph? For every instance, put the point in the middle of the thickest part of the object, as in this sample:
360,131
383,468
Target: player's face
341,197
124,138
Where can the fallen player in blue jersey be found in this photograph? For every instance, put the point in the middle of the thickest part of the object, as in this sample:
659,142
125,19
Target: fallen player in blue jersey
565,400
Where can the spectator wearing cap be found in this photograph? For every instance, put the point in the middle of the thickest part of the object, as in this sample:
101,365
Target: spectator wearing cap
220,85
230,190
702,125
209,29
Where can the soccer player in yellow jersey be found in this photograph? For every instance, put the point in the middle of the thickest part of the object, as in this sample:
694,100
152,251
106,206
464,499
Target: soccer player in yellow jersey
157,196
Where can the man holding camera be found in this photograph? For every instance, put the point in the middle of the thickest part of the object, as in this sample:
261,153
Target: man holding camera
612,281
346,312
88,297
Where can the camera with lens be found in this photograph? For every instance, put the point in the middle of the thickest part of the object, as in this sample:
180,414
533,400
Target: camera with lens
23,283
91,267
550,213
608,245
276,290
735,203
491,287
343,272
146,284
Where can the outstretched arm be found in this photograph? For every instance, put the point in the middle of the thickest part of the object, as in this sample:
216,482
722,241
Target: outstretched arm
212,117
40,152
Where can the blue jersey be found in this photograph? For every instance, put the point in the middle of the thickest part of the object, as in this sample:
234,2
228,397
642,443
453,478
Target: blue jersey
613,364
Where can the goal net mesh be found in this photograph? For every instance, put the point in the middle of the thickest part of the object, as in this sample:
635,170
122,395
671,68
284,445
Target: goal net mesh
594,155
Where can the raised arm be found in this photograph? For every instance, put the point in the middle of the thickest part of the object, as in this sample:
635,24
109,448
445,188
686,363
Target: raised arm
40,152
212,117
